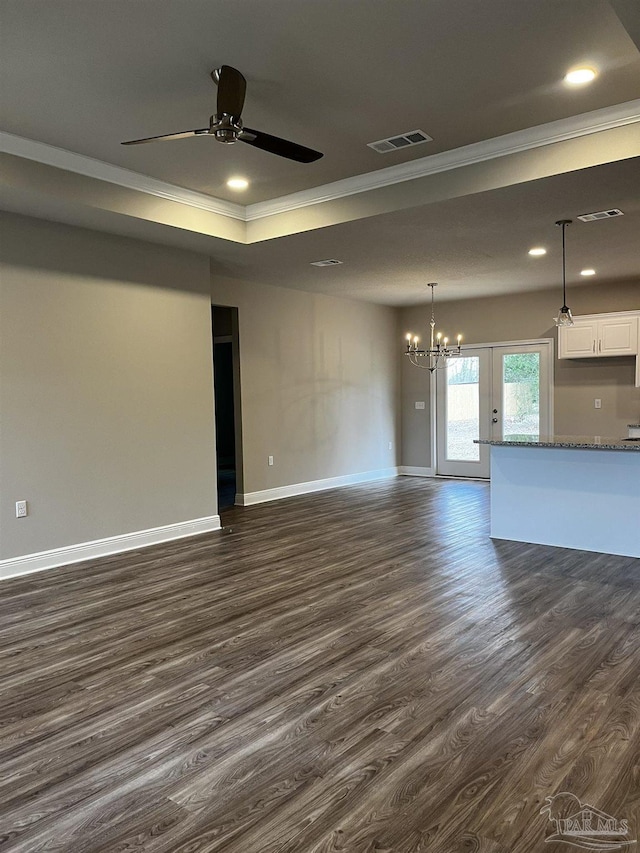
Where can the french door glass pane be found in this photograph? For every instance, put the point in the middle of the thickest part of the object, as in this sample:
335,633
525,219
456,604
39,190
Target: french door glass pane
521,394
463,408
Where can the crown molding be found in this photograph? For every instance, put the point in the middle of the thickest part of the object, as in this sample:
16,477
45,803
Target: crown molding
562,130
488,149
60,158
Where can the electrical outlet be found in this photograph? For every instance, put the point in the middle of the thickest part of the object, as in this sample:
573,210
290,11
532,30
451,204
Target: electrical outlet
597,403
21,509
270,460
419,404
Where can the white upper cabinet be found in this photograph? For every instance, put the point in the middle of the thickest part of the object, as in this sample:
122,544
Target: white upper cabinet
600,335
618,336
579,340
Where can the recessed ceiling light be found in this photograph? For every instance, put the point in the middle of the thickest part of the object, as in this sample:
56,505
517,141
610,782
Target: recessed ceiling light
580,76
537,250
237,183
587,272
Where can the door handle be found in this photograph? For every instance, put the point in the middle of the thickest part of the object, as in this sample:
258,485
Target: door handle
600,345
594,346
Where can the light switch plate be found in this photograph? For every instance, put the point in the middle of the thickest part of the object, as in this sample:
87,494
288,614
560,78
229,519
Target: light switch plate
419,404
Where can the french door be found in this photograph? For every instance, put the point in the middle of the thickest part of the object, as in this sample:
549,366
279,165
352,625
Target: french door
490,392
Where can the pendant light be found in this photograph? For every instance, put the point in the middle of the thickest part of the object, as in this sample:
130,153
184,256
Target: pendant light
564,317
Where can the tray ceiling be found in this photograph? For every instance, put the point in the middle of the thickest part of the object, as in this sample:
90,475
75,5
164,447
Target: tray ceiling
333,75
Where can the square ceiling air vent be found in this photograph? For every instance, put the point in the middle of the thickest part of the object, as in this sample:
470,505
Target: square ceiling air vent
393,143
330,262
601,214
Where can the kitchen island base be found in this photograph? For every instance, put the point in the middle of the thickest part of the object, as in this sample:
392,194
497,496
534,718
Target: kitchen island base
587,499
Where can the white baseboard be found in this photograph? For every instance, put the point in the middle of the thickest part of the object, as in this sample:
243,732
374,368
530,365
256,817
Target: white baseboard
415,471
249,498
28,563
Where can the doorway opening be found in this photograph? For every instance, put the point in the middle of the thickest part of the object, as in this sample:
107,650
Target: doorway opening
226,384
491,391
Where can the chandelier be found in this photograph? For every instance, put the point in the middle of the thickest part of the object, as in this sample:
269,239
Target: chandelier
439,351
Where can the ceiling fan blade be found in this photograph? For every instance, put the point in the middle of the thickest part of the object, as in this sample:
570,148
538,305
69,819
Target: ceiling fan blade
276,145
183,135
231,90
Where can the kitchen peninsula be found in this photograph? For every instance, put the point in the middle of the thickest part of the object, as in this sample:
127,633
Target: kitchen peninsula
569,491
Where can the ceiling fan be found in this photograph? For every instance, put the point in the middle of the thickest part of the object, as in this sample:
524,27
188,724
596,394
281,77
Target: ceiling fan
226,125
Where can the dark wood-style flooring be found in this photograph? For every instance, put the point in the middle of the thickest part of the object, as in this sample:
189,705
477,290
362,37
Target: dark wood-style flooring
358,670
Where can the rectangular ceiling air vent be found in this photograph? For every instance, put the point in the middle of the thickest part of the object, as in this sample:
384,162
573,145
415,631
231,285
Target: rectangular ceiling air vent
393,143
601,214
330,262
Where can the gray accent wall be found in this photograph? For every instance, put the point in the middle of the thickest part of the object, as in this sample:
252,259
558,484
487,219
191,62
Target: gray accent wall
106,386
526,316
319,382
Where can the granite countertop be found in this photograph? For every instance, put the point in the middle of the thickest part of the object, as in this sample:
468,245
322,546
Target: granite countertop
580,442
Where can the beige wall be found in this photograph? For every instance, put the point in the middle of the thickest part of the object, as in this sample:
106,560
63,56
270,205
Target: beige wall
319,383
106,388
106,382
522,317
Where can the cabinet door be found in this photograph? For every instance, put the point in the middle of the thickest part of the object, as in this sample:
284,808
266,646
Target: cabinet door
618,336
579,340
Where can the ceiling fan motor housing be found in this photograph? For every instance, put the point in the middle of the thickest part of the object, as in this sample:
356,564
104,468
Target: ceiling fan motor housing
226,136
225,127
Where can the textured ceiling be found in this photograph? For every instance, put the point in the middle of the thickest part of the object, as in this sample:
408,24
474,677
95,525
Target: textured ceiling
476,245
331,74
334,75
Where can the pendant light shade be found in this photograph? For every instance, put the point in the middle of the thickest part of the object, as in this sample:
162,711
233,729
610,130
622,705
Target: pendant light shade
564,317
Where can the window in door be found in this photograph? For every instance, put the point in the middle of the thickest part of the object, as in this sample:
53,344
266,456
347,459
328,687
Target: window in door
490,392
